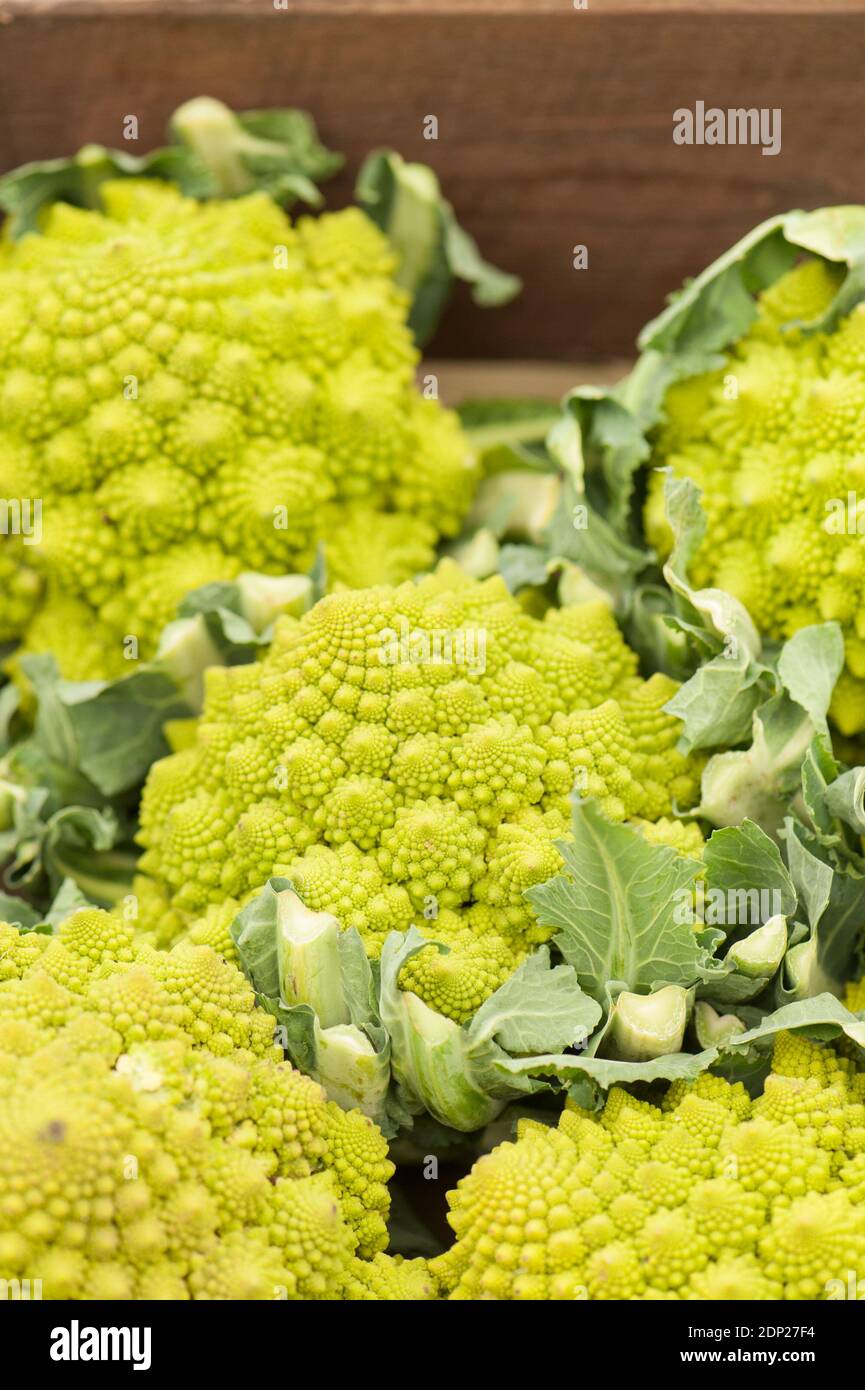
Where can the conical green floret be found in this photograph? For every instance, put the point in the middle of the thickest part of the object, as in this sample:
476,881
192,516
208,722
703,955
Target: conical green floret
196,390
375,758
154,1144
776,443
703,1198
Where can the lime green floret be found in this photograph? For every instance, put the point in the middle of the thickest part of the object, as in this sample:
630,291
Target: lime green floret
154,1144
407,755
707,1196
776,442
195,390
20,587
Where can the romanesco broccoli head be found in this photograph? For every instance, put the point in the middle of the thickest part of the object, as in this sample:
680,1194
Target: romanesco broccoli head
406,755
703,1197
392,1279
774,439
154,1144
188,391
21,592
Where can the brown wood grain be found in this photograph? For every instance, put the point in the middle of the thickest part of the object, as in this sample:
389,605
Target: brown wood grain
435,7
555,125
463,381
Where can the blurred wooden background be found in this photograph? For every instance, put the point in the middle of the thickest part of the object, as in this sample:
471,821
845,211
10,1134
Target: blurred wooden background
555,123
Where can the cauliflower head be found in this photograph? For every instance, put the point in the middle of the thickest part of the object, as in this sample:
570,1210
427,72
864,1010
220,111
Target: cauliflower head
774,439
154,1144
188,391
406,755
706,1196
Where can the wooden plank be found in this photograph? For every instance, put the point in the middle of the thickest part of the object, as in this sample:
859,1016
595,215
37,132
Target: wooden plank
462,381
555,125
436,7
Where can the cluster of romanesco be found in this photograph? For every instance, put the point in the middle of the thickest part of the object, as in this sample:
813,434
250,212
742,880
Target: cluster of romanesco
194,390
774,439
154,1144
706,1196
393,787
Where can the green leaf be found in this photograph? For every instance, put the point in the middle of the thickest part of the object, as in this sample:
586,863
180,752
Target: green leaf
717,612
717,307
744,866
41,846
811,876
733,989
608,445
216,154
845,798
537,1009
617,904
654,633
490,286
17,912
675,1066
508,431
253,932
226,623
523,565
809,665
273,151
27,191
109,732
67,900
10,703
119,730
822,1018
819,768
348,1055
606,1072
835,901
593,544
756,783
717,704
430,1054
602,441
295,1030
360,986
597,452
102,870
112,731
464,1077
219,596
54,734
515,503
406,202
836,234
